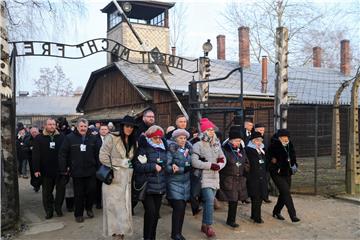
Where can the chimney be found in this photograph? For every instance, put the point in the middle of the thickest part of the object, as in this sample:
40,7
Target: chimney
264,79
244,46
220,47
317,57
345,57
173,51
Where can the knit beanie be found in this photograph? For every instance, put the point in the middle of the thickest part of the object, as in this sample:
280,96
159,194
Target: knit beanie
205,124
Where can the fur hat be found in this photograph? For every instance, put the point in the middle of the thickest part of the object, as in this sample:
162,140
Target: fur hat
259,125
283,133
235,132
180,132
255,135
205,124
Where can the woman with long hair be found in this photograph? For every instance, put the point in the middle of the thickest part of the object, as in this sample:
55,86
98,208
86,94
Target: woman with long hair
119,148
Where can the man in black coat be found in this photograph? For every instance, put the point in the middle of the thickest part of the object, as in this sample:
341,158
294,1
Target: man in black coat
180,123
22,151
77,157
148,120
34,181
248,130
46,165
282,158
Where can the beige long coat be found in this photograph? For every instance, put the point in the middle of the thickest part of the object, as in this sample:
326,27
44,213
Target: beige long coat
117,218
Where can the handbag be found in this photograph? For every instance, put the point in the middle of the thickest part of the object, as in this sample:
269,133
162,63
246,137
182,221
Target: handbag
105,174
141,192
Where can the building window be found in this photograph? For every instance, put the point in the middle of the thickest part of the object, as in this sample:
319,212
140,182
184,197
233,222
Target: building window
159,20
114,19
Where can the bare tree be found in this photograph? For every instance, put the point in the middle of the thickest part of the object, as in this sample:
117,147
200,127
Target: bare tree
178,27
29,18
309,24
53,82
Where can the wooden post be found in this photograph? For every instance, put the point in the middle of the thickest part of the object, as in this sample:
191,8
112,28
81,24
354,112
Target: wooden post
281,83
353,166
335,141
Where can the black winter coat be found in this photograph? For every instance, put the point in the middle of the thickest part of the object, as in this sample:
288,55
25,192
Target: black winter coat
282,154
232,176
45,157
81,163
257,184
22,149
146,172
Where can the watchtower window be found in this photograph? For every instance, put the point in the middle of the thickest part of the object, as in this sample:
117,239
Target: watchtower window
114,19
159,20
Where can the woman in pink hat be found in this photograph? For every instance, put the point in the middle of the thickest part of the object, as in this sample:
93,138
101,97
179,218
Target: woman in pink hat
208,156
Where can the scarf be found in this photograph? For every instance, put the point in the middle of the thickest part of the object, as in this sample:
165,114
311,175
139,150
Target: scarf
155,145
259,150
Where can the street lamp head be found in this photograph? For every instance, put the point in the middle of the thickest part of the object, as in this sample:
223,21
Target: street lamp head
207,47
126,6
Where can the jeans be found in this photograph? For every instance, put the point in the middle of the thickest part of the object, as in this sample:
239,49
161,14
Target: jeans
24,164
208,195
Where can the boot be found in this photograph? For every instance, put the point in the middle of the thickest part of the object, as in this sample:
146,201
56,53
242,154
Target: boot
208,230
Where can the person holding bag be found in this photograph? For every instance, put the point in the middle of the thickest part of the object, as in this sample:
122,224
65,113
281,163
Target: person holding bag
116,152
282,164
208,156
149,166
232,176
178,168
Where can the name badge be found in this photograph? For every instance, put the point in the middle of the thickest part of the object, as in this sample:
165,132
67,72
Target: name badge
52,145
187,164
83,147
238,164
261,161
159,160
31,148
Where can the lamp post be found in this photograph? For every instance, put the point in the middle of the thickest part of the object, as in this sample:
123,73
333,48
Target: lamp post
204,74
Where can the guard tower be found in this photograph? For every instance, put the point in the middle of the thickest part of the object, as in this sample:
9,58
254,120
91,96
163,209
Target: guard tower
150,20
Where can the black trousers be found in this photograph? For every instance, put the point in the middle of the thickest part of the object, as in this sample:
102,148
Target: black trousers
152,204
48,185
195,193
256,203
283,183
232,208
178,215
84,192
98,195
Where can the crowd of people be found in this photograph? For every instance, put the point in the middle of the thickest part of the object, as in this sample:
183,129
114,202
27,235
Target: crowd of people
183,165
